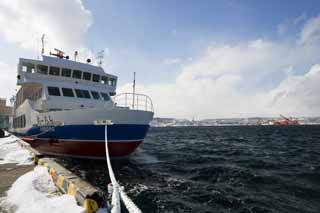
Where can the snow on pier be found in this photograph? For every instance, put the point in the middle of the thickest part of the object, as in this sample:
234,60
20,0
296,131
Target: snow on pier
33,191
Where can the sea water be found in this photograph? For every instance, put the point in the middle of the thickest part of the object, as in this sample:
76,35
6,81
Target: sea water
218,169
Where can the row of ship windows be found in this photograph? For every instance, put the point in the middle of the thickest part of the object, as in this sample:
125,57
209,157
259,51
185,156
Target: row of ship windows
65,72
68,92
19,122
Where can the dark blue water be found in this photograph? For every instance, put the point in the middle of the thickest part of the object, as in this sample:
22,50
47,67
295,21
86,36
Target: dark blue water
219,169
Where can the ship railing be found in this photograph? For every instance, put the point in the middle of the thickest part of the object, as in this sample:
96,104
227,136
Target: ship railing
134,101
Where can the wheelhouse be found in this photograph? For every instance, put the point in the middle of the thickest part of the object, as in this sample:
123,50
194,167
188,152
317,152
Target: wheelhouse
65,70
57,83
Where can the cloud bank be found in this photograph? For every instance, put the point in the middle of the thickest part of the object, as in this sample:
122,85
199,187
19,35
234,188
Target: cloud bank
253,78
63,22
259,77
22,23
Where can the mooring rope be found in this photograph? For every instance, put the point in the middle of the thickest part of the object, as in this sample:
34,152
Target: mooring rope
118,192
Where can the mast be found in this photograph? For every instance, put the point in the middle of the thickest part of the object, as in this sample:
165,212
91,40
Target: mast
134,88
42,43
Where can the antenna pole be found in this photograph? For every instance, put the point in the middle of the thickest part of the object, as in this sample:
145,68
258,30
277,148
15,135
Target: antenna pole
75,55
37,47
42,42
100,56
134,88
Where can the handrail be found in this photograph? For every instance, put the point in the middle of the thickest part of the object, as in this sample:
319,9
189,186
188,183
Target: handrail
134,101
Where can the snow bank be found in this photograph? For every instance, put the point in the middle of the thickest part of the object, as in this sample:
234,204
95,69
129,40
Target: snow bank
12,152
35,192
21,157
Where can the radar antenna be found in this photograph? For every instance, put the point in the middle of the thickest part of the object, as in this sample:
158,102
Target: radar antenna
100,56
59,54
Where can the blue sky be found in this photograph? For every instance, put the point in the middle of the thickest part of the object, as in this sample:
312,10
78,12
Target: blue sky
160,30
204,58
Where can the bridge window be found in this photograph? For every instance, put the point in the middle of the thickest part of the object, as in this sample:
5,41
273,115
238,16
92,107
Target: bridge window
105,96
54,71
95,95
53,91
66,72
86,76
19,122
42,69
76,74
67,92
82,93
104,80
112,82
95,78
28,67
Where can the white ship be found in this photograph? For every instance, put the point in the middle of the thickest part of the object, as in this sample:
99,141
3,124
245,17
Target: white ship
62,108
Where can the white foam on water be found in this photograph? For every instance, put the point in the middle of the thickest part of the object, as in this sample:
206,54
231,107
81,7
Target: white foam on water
35,192
12,152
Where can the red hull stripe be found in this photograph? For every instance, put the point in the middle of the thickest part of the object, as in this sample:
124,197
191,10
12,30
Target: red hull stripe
77,140
85,149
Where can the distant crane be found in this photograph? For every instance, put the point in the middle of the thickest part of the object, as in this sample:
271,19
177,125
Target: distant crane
286,121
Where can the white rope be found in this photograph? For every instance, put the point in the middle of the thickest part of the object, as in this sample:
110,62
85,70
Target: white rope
115,202
118,192
130,205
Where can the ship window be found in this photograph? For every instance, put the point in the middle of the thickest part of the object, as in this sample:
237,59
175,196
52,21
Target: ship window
66,72
95,95
76,74
86,93
86,76
104,80
23,120
54,71
105,96
95,78
54,91
28,67
112,82
42,69
82,93
19,122
67,92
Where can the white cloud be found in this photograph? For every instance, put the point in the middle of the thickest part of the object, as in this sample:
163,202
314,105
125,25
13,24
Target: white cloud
63,22
300,18
23,22
8,80
230,81
311,31
172,61
257,77
283,27
288,24
298,95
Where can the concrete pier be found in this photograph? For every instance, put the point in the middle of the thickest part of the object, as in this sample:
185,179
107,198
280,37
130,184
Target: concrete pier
86,195
9,173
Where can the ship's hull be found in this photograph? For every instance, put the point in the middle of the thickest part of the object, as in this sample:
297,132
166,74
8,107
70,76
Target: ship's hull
86,141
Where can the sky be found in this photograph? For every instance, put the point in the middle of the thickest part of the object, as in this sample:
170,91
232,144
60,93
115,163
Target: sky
195,59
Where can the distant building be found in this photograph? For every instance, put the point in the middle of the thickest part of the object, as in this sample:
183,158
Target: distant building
5,114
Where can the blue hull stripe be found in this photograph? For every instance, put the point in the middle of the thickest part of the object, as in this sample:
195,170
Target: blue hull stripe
90,132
